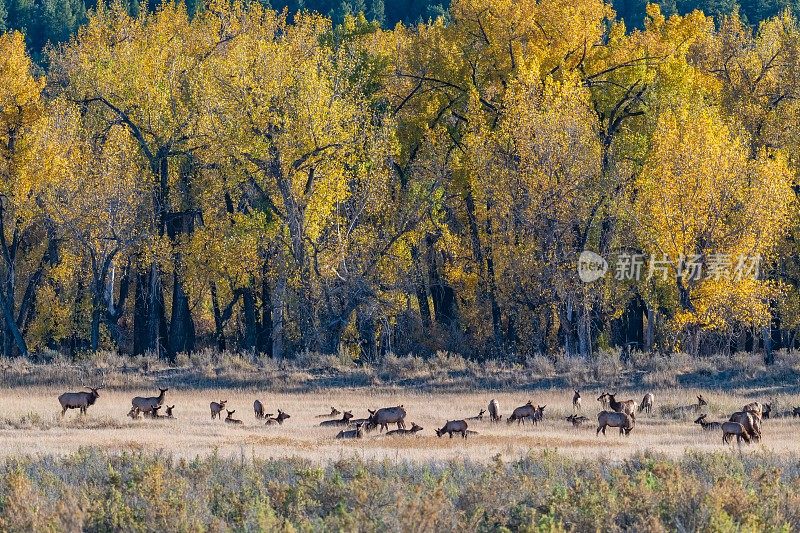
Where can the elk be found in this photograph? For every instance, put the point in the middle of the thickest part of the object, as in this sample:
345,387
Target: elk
258,409
577,421
729,429
479,417
538,415
78,400
453,426
344,421
279,419
216,408
701,402
647,403
623,421
796,412
603,399
576,400
494,411
229,419
754,407
134,413
624,406
388,415
521,413
707,426
169,411
146,404
404,432
351,433
334,412
154,412
750,422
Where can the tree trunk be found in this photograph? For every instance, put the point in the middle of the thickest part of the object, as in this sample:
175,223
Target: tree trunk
277,301
182,332
265,331
420,290
250,336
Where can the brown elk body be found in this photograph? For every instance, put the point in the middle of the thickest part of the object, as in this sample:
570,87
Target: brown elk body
623,421
404,432
453,426
576,400
494,411
258,409
344,421
334,412
169,411
278,419
389,415
78,400
357,433
731,429
145,404
216,408
521,413
479,417
647,403
707,426
229,419
750,422
623,406
577,421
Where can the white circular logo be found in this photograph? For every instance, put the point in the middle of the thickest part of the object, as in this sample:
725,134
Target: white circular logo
591,266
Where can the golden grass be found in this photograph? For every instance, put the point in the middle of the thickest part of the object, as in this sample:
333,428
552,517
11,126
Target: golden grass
31,423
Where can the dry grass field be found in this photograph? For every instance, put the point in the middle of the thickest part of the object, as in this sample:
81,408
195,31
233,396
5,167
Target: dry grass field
31,424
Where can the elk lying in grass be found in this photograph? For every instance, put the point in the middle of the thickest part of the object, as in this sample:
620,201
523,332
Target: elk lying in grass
796,412
146,404
134,413
388,415
647,403
577,421
78,400
682,411
730,429
750,422
229,419
278,419
404,432
216,408
453,426
522,412
344,421
169,412
154,412
707,426
334,412
576,400
494,411
356,433
258,409
623,421
479,417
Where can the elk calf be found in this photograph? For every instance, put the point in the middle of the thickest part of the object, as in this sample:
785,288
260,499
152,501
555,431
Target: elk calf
479,417
134,413
453,426
78,400
216,408
229,419
576,400
707,426
351,433
577,421
647,403
258,409
730,429
169,411
494,411
404,432
344,421
279,419
334,412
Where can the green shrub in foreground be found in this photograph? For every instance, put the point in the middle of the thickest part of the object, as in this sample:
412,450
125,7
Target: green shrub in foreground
95,491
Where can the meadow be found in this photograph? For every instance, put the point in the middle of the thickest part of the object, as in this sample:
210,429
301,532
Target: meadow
107,472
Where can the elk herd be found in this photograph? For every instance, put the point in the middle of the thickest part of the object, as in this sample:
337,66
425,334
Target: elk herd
745,425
